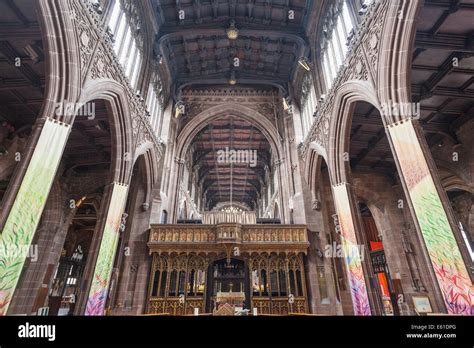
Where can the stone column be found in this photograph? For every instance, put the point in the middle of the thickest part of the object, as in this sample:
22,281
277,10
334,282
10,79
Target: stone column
352,254
134,263
26,211
173,193
431,210
105,222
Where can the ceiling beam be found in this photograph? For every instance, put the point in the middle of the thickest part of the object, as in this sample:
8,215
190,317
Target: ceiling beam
453,7
445,41
447,4
444,91
20,32
21,17
370,146
24,69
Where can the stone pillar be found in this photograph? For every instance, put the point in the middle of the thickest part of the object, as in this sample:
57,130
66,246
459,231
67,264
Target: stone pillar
32,289
88,275
134,263
26,211
173,193
101,275
352,254
430,207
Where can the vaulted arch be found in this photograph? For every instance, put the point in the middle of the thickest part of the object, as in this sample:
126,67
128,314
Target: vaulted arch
120,123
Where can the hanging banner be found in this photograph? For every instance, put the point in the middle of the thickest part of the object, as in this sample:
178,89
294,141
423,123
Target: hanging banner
352,255
24,217
105,259
449,267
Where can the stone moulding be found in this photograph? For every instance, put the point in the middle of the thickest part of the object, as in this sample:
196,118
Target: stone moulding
355,67
103,63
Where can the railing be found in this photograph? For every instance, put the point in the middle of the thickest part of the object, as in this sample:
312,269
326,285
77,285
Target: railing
166,238
175,305
279,306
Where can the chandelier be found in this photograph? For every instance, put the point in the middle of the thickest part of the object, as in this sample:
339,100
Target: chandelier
232,31
232,79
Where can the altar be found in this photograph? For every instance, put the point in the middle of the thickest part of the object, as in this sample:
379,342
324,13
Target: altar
228,302
235,299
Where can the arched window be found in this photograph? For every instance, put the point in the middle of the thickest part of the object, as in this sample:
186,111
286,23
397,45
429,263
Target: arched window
337,29
181,282
308,103
164,217
282,278
125,42
173,286
154,105
156,282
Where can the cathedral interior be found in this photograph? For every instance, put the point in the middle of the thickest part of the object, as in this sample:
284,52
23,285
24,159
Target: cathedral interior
236,157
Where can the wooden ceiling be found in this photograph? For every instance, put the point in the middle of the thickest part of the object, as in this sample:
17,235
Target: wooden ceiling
369,147
22,85
22,76
198,51
22,80
444,90
219,179
89,145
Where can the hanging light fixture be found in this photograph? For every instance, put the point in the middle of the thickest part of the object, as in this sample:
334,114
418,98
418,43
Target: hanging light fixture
304,63
232,79
179,109
286,106
232,31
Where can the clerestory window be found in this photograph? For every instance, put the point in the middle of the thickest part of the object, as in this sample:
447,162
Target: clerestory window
125,42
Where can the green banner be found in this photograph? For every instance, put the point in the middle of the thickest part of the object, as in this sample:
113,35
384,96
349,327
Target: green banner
24,217
103,267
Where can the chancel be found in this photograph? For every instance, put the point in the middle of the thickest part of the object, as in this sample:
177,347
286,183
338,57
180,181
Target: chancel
214,157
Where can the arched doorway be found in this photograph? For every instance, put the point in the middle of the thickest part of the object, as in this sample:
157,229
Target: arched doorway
67,279
373,241
228,283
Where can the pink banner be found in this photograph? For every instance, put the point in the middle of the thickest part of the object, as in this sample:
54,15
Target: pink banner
448,264
352,257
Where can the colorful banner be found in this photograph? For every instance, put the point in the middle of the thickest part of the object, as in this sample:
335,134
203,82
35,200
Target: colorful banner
449,267
24,217
352,257
103,267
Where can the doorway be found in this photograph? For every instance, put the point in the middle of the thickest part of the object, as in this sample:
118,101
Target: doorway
228,282
66,284
382,279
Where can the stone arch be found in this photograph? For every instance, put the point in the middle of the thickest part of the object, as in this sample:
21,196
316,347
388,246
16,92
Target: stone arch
276,211
345,102
312,172
62,79
395,52
63,62
150,156
201,120
197,123
120,120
